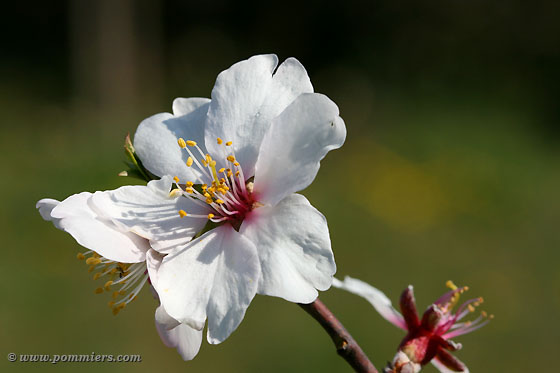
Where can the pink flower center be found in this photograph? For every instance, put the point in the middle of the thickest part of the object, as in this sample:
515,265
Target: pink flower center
225,192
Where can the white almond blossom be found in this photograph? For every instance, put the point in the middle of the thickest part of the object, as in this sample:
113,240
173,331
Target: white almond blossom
230,167
121,258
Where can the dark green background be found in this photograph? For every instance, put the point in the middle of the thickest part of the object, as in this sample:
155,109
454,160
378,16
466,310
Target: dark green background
450,169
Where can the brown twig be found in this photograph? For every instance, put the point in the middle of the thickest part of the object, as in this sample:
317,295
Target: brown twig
345,345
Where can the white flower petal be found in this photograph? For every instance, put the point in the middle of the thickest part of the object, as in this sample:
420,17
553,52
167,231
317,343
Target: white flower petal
75,216
292,239
295,144
155,140
375,297
153,261
185,339
245,99
152,213
216,275
45,206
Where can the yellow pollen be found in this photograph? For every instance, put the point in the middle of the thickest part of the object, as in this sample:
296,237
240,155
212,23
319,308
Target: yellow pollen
191,143
189,184
220,141
189,190
115,294
181,143
471,308
484,314
231,158
97,275
210,216
451,285
107,285
80,256
207,195
98,290
204,163
229,143
208,158
91,268
93,261
176,179
221,170
111,304
237,173
229,173
219,201
209,201
222,190
189,162
204,186
236,164
182,213
175,193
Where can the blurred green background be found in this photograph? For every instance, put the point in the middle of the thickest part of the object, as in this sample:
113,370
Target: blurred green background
450,169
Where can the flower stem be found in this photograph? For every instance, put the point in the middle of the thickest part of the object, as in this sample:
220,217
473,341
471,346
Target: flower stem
345,345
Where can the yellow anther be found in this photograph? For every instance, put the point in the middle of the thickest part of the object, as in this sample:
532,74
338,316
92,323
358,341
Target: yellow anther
484,314
229,173
189,184
98,290
181,142
97,275
107,285
93,261
189,190
91,269
231,158
236,164
491,317
210,216
204,163
207,195
182,213
80,256
204,186
115,294
189,161
451,285
219,201
221,170
208,158
176,179
229,143
191,143
95,255
220,141
209,201
175,193
471,308
111,304
237,173
222,190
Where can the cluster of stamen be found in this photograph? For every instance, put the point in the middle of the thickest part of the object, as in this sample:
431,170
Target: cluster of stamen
224,192
123,280
450,321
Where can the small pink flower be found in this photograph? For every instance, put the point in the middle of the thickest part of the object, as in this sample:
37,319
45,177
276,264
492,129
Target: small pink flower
428,339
